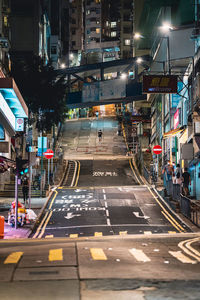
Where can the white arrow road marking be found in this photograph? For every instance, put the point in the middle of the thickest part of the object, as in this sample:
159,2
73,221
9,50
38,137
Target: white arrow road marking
137,215
70,216
139,255
78,190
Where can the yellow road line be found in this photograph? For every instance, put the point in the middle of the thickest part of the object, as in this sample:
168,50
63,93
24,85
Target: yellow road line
98,254
189,249
55,254
73,236
13,258
147,232
139,255
49,236
122,232
52,201
79,165
181,257
45,224
167,213
98,234
134,171
166,216
38,229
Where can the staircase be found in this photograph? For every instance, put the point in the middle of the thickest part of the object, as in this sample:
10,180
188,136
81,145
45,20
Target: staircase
9,191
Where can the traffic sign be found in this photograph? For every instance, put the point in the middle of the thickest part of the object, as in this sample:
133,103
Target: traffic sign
157,149
48,154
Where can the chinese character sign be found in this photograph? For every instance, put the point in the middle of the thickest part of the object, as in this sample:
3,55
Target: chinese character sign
159,84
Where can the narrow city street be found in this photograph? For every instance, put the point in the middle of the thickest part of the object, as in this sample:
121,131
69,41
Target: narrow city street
103,197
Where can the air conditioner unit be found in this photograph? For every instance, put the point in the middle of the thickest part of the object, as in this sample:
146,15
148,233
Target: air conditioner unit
195,33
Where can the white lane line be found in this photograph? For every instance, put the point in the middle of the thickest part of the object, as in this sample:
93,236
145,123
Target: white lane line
104,225
103,191
108,222
181,257
106,204
139,255
107,213
104,196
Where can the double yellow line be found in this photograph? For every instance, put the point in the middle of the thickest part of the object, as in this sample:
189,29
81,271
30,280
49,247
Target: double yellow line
41,228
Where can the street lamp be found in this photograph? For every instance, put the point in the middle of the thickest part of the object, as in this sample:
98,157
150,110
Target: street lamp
165,28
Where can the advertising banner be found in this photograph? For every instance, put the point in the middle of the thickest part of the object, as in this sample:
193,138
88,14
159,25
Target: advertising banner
112,89
159,84
176,119
19,126
90,92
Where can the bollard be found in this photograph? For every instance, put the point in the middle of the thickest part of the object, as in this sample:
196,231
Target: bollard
1,227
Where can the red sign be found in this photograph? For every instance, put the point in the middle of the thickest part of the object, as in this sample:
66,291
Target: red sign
176,119
157,149
160,84
49,153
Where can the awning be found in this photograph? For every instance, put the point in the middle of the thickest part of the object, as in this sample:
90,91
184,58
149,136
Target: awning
173,132
12,104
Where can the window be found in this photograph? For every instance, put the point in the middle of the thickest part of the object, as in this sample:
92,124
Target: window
73,21
97,30
87,12
73,43
93,20
97,21
126,18
127,42
2,133
93,28
88,31
127,29
98,1
73,31
113,24
73,10
113,33
107,23
97,40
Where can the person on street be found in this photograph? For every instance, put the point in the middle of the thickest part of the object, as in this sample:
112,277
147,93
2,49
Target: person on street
168,171
97,114
25,188
178,174
100,133
186,182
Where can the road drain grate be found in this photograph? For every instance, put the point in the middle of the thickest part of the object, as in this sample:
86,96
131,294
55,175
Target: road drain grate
43,272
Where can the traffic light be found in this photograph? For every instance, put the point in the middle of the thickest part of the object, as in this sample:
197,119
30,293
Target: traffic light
21,166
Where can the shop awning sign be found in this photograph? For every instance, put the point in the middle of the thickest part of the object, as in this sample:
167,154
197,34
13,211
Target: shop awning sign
19,126
160,84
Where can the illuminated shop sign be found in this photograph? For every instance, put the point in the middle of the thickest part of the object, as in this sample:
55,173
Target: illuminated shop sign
176,119
5,109
159,84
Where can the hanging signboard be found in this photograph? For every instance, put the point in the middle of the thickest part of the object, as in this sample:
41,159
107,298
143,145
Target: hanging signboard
160,84
19,125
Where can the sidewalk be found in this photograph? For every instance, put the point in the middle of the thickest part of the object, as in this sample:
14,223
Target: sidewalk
21,232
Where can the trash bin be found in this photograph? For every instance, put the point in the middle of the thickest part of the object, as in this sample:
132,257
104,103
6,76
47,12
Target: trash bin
1,227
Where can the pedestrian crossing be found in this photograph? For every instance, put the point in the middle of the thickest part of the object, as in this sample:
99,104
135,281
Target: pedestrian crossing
107,254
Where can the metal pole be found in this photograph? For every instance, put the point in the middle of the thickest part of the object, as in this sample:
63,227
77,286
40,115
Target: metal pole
16,200
48,170
29,190
168,55
41,169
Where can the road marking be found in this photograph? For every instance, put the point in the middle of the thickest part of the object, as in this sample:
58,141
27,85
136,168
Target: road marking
170,221
73,236
108,222
136,213
98,254
45,224
107,213
55,254
181,257
170,218
139,255
172,232
38,229
189,250
134,171
104,191
49,236
106,204
74,175
98,234
147,232
104,196
122,232
77,178
13,258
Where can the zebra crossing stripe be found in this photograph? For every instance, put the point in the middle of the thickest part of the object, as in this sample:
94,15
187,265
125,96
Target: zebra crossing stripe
181,257
139,255
55,254
98,254
13,258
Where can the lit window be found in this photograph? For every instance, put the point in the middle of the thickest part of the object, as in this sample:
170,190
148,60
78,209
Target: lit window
98,1
97,30
127,42
113,33
87,12
113,24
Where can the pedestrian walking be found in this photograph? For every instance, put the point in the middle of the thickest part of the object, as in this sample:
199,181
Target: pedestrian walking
25,188
100,133
174,173
186,182
168,170
178,174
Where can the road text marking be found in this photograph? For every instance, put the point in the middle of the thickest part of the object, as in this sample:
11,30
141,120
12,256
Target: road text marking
98,254
55,254
139,255
13,258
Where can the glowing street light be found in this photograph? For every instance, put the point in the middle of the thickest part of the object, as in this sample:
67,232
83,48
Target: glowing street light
166,27
63,66
139,60
123,76
137,36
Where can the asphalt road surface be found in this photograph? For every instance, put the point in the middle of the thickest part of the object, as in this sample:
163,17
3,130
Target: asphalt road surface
129,267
